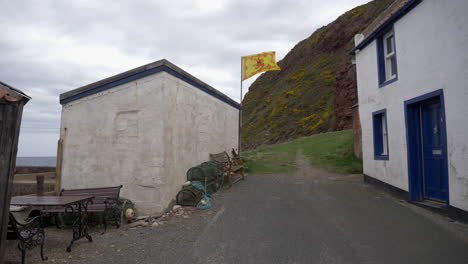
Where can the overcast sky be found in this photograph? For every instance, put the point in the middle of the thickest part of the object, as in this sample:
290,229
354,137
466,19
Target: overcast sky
50,47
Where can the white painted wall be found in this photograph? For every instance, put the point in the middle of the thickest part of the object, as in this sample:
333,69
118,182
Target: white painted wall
144,135
432,53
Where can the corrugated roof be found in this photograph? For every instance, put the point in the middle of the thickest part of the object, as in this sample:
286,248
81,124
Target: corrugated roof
140,72
394,12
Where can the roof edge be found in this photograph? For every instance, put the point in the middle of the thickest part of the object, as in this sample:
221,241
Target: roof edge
140,72
11,94
392,19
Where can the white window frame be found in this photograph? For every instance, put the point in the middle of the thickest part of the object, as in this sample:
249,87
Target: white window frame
388,57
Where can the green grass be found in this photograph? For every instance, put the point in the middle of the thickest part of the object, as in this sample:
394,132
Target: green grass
332,151
270,159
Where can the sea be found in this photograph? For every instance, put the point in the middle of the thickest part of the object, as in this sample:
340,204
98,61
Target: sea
36,161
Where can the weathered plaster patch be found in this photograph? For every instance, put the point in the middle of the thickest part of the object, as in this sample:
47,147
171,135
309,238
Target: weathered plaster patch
126,124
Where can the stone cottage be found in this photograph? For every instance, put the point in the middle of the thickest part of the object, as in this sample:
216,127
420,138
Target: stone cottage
144,129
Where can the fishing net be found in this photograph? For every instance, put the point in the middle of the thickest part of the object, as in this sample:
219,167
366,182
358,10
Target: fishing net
206,179
189,196
209,173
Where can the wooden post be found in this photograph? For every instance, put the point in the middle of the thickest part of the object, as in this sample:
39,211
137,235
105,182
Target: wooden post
58,167
12,102
40,185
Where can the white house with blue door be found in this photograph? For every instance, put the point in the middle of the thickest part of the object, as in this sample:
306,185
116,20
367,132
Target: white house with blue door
412,75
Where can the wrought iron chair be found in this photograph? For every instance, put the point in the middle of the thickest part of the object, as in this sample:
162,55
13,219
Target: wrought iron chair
29,234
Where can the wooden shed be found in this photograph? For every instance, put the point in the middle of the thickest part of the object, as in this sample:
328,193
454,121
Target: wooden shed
11,110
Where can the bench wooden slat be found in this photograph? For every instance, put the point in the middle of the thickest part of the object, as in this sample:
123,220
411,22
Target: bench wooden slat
101,195
96,188
105,201
90,194
221,157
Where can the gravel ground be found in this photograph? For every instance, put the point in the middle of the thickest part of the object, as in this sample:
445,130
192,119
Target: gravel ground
161,244
310,216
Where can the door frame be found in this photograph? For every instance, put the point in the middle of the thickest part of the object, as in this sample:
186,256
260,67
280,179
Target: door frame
414,145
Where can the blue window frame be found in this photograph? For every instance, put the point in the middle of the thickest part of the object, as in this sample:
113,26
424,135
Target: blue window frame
386,58
379,120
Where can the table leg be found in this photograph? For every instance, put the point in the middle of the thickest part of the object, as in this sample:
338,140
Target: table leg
80,223
42,232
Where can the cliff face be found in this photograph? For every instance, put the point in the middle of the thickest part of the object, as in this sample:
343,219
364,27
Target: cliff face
315,90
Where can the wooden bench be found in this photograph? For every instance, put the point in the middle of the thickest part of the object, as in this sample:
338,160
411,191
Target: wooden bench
230,167
29,234
106,201
236,159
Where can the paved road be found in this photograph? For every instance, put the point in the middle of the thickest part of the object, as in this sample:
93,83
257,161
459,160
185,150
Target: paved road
310,216
318,217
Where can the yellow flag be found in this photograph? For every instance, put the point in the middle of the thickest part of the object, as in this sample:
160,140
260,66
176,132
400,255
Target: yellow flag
256,63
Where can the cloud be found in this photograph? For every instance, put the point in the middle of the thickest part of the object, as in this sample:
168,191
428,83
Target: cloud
49,47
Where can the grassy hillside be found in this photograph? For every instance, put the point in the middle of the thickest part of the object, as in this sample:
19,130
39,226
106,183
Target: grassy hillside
331,151
315,89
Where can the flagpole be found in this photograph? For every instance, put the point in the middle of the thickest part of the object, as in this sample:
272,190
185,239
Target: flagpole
240,112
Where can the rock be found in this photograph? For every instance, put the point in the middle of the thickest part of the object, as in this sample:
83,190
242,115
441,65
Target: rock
176,207
142,217
155,224
191,209
137,223
179,212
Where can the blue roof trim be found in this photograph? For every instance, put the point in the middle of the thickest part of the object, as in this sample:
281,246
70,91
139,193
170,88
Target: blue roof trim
111,84
144,74
392,19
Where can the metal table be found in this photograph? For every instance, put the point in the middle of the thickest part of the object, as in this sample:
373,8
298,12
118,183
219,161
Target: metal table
75,205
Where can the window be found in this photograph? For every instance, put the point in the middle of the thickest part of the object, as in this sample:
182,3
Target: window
387,58
379,119
390,56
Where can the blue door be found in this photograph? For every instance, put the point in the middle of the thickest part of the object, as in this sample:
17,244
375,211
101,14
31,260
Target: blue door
433,147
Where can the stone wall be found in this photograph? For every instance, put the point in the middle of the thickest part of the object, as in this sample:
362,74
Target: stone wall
33,169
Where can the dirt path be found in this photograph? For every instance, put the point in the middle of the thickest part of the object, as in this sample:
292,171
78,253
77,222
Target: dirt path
309,216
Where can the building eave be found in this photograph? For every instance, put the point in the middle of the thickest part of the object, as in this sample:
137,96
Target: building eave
11,94
386,24
140,72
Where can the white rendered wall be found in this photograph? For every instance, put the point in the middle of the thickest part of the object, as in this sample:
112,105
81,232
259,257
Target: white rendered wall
432,53
144,135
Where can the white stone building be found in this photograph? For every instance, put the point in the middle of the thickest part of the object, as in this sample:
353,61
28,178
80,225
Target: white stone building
412,74
144,129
